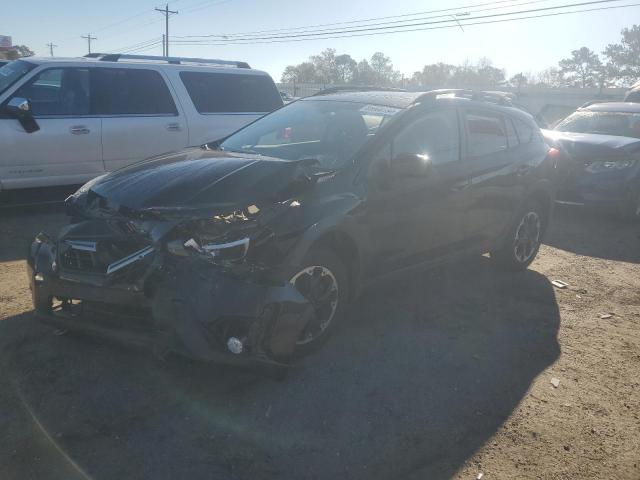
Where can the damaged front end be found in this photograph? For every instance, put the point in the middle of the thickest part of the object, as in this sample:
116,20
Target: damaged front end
211,285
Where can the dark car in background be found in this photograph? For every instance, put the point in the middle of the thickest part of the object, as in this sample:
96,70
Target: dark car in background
248,250
601,143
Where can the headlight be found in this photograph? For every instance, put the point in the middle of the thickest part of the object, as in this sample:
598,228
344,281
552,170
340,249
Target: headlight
230,251
609,166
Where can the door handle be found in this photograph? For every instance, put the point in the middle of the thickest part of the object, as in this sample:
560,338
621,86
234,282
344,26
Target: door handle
523,170
79,130
460,186
174,127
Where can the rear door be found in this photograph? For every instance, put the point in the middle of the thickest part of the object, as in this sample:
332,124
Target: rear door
140,117
66,149
495,162
223,102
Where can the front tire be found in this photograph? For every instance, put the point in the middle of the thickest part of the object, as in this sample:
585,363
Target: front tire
523,240
322,280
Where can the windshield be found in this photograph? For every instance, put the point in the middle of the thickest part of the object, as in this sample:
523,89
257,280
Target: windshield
329,131
12,72
623,124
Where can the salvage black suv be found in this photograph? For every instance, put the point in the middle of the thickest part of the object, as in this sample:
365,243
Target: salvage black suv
249,250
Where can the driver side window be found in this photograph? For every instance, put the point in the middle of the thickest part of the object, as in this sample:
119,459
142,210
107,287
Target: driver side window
435,135
58,91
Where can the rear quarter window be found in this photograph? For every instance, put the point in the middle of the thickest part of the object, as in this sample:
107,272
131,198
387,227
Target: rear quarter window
231,93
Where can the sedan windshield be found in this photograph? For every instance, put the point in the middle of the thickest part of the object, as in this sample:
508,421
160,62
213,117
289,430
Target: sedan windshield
328,131
12,72
622,124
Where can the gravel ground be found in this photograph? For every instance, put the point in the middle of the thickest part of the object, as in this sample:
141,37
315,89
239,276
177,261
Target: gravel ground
444,374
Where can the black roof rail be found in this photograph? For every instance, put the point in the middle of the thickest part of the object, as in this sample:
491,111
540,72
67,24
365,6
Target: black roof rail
115,57
497,97
356,88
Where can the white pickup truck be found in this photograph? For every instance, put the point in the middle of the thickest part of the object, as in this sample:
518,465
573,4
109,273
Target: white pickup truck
65,121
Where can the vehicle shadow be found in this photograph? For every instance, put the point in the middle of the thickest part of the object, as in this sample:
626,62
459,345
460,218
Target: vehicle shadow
594,234
422,375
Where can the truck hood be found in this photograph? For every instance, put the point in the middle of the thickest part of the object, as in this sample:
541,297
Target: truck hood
199,178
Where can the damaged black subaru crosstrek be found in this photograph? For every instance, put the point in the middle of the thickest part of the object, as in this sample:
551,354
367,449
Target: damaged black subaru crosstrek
248,250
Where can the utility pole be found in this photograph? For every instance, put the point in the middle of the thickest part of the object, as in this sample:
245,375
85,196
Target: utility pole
166,12
51,47
164,42
88,37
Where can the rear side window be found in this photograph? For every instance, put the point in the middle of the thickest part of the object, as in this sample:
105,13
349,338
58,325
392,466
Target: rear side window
525,132
486,133
121,91
231,93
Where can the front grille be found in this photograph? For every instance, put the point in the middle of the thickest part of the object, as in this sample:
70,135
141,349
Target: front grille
96,257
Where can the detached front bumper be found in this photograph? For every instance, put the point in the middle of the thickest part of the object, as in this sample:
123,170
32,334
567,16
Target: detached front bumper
191,307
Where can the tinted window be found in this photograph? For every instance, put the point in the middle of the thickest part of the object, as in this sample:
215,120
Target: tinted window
486,133
435,135
131,92
228,92
58,91
525,132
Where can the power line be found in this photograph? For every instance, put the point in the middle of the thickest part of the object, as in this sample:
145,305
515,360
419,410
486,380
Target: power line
51,47
88,37
151,41
166,12
344,33
454,25
311,27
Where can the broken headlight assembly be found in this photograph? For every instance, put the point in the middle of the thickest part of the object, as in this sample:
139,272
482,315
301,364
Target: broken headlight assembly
221,238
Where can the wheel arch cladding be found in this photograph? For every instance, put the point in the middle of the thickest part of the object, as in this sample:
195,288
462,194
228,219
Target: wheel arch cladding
347,251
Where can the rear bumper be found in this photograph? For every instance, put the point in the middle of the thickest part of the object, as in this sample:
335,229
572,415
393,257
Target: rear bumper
192,308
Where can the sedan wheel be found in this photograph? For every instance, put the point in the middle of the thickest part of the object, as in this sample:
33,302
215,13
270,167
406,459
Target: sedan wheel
527,238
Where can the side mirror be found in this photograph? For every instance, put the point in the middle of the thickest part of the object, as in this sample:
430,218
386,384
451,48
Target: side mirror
20,109
411,165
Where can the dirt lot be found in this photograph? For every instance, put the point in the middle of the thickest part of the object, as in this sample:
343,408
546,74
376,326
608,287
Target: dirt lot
446,374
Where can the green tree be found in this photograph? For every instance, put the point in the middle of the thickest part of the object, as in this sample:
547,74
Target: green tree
325,66
383,69
364,74
436,75
346,68
17,51
302,73
582,69
623,59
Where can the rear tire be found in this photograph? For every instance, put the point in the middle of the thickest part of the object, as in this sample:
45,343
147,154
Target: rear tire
522,243
329,276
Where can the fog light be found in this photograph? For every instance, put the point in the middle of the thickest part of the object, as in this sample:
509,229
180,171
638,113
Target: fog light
235,345
38,277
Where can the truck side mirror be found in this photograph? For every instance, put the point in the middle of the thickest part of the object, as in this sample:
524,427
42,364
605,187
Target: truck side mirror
20,109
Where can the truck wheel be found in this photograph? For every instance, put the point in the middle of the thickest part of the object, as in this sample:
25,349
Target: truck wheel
523,240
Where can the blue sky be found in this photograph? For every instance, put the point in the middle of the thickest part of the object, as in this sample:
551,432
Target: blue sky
527,45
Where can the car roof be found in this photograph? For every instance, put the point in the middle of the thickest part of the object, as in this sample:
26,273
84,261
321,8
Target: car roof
402,100
150,63
376,97
619,107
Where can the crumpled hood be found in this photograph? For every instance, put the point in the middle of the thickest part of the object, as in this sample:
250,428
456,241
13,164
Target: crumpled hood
199,178
591,145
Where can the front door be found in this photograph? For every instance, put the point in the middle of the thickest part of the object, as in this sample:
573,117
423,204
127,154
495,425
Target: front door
419,218
67,148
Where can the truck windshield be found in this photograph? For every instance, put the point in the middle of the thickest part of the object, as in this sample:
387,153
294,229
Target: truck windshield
12,72
328,131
